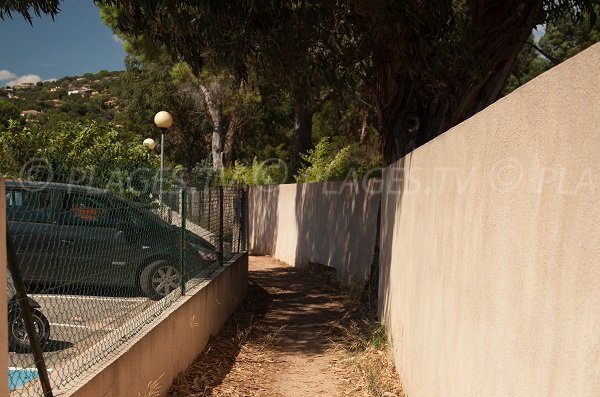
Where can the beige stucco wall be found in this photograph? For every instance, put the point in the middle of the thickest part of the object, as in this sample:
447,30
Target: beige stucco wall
490,279
147,365
3,303
331,223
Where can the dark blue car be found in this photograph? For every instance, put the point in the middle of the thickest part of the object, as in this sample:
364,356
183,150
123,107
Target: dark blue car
75,235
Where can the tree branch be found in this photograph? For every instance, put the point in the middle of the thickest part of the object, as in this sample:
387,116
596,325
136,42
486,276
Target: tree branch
322,102
555,61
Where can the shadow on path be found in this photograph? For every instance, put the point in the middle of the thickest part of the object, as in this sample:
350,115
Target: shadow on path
302,312
283,340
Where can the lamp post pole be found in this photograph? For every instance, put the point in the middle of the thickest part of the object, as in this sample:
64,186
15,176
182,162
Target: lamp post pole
162,165
150,144
163,120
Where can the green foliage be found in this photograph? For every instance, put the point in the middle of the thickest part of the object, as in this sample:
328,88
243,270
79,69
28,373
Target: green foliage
562,40
332,161
259,173
529,65
82,153
52,98
429,65
202,174
29,8
255,174
325,163
8,111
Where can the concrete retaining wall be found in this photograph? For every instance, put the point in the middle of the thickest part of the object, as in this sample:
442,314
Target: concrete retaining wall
147,364
490,278
332,223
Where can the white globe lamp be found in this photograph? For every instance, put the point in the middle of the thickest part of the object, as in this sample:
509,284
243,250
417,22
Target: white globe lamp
163,119
149,143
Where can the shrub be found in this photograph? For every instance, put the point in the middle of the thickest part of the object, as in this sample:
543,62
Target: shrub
324,163
257,173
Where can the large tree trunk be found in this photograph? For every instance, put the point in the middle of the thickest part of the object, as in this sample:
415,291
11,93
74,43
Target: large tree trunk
302,138
363,128
416,107
217,149
229,145
217,134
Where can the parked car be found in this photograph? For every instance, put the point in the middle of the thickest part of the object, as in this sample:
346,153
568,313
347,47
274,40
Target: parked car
18,340
68,234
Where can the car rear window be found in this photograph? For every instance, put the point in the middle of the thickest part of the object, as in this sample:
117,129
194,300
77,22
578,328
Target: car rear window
27,206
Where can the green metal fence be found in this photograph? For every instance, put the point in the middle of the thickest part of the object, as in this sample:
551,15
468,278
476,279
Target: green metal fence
100,268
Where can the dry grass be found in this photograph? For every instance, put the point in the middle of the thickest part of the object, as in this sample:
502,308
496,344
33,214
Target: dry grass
246,358
153,389
221,369
361,337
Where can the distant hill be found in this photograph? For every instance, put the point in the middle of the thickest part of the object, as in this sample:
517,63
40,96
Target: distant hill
94,96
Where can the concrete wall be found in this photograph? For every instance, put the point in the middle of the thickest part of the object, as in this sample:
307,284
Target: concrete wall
3,303
332,223
490,279
147,364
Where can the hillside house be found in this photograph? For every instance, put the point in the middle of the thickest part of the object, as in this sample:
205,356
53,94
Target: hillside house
31,116
24,86
83,90
112,102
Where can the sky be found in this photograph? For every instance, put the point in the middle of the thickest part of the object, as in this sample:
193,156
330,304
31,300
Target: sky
76,42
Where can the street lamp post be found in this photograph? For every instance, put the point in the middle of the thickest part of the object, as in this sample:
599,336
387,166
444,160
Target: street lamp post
150,145
163,120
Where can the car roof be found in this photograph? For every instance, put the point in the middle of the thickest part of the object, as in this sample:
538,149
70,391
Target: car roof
65,187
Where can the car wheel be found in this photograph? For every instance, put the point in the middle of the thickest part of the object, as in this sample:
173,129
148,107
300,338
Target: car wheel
159,279
17,334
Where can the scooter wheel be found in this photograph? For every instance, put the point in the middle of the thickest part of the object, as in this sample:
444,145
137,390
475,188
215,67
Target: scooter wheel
17,334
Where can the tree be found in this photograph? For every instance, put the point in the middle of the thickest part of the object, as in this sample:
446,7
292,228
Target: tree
8,111
529,64
211,95
306,71
29,8
429,64
150,88
230,105
85,153
562,40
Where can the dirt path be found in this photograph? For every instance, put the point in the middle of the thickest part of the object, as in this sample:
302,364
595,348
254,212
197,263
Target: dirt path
289,338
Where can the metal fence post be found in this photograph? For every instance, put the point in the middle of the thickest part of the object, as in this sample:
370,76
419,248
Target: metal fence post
246,218
209,207
25,313
183,239
221,225
240,218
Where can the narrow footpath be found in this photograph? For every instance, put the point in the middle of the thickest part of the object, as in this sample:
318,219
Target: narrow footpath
293,336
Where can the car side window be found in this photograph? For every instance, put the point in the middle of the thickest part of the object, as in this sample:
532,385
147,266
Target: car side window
27,206
85,209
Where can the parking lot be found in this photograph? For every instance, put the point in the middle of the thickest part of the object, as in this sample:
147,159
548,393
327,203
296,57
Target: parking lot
77,322
86,325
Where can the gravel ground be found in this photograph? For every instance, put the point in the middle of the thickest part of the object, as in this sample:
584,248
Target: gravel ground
295,335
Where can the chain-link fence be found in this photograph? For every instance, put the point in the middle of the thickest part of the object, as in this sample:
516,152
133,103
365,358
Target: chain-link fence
98,268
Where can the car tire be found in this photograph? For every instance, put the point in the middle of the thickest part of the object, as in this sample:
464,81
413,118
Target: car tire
159,279
18,340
